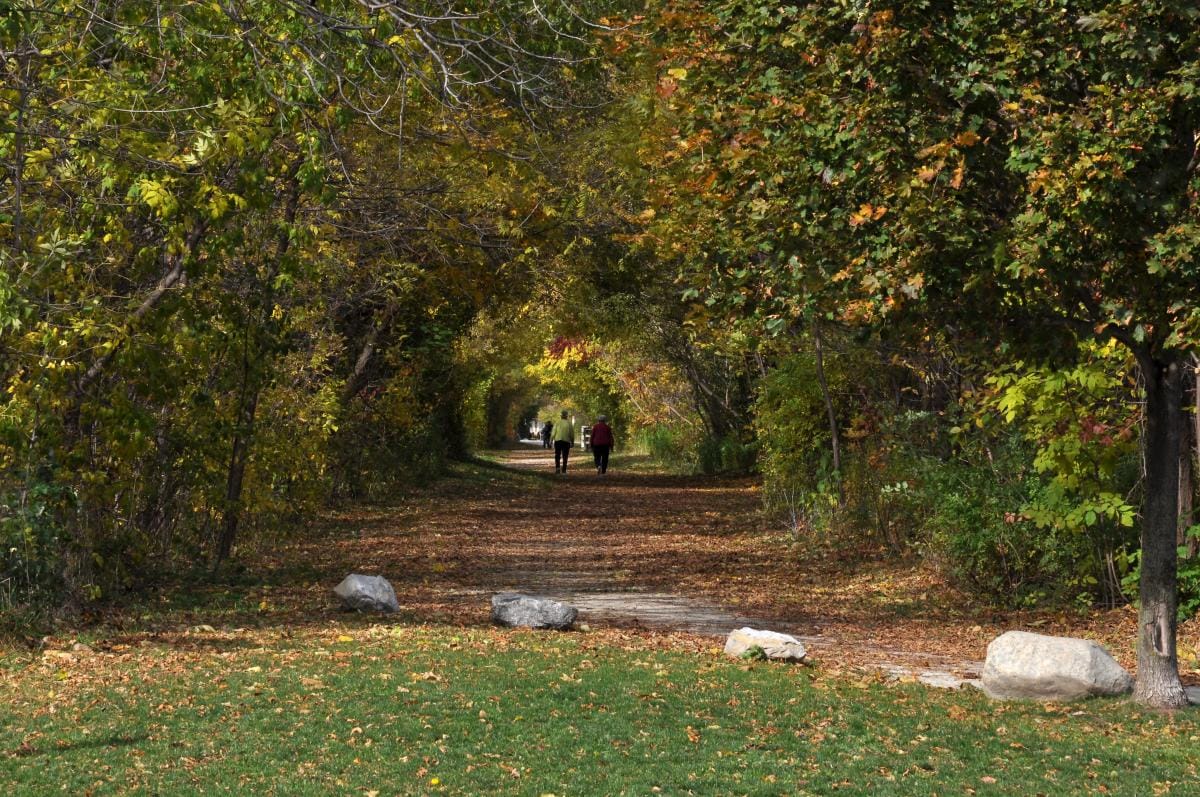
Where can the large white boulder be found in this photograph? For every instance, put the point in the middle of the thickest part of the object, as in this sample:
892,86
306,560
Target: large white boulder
773,644
367,593
526,611
1021,665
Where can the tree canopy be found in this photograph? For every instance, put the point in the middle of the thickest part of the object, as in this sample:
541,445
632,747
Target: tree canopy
914,262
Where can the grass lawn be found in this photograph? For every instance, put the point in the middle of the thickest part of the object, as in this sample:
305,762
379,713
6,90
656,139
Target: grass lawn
407,709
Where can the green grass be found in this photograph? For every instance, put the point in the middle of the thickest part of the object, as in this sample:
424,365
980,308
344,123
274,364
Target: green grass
420,710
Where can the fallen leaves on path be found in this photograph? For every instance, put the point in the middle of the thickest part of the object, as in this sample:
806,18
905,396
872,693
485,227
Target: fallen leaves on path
448,548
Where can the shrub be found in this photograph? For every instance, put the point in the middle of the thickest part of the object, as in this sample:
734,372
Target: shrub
31,544
726,455
794,451
978,531
665,444
1188,582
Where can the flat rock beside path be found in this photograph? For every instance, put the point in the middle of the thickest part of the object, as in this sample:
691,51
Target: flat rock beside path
772,644
528,611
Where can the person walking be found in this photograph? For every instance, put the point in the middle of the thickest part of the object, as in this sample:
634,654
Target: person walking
602,443
564,438
547,434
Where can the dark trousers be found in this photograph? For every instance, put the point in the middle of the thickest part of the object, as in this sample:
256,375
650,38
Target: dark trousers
600,454
562,449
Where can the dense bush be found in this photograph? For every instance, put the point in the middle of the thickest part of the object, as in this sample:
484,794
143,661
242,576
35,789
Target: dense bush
794,445
976,531
729,454
666,444
31,546
1008,512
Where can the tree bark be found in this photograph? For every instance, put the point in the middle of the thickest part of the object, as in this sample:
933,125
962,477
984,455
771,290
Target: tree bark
238,458
355,383
1184,514
251,386
1158,683
1193,455
835,436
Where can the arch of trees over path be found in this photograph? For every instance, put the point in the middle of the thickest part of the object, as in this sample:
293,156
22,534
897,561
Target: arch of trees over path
932,269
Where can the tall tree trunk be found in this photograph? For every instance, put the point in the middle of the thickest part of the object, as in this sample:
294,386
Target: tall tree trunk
835,436
238,458
1183,515
233,486
1158,683
1193,455
1187,490
252,382
18,161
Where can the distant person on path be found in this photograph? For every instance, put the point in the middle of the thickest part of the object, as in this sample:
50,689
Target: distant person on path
547,434
564,438
602,443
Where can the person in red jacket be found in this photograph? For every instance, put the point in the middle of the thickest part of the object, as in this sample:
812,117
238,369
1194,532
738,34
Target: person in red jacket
602,443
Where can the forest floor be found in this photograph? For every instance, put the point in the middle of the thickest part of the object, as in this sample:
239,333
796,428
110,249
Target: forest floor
257,683
641,549
637,550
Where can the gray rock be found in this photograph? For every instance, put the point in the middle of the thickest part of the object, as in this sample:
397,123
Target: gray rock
773,644
1193,694
367,593
1028,666
525,611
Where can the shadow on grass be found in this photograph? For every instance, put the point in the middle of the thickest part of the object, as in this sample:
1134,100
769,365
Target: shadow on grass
109,742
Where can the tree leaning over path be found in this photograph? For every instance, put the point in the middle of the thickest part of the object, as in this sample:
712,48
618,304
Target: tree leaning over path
194,257
1020,176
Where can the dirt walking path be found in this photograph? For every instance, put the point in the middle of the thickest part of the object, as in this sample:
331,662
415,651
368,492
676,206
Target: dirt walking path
665,581
688,555
635,551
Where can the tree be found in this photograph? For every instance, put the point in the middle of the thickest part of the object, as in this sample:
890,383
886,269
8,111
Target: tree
180,188
1024,178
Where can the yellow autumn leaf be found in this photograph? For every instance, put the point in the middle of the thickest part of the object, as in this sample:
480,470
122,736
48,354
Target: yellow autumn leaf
679,73
967,138
956,180
866,213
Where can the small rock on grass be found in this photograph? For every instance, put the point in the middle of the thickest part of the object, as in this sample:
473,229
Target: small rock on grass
367,594
515,610
774,645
